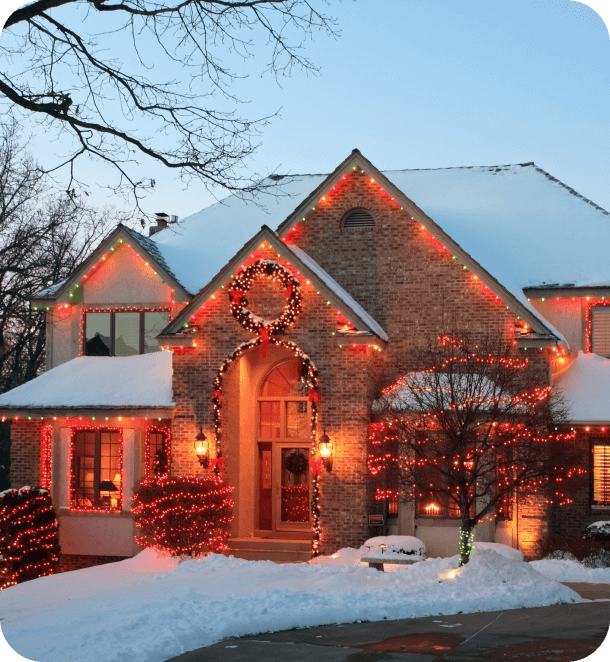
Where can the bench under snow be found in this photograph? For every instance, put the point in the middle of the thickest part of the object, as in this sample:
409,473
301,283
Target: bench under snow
396,550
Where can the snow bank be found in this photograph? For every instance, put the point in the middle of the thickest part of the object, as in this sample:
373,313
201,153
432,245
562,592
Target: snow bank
148,609
566,570
506,551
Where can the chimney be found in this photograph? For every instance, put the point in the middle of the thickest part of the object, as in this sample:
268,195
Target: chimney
163,220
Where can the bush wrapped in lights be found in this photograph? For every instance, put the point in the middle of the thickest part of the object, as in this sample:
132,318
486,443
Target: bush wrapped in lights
183,515
29,541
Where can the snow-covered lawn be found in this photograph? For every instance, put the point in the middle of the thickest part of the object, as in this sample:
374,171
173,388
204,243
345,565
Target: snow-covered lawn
149,609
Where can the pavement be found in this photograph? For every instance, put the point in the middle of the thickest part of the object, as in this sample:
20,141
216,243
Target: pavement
560,633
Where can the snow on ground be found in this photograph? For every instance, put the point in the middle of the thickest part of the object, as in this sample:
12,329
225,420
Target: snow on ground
567,570
148,610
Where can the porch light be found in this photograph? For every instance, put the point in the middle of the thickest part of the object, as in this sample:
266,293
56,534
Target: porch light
325,448
202,449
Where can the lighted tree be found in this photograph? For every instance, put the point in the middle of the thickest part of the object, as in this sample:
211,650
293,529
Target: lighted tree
470,427
183,515
29,541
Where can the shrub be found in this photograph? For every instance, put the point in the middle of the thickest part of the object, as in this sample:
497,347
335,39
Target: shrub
590,552
183,514
600,532
29,540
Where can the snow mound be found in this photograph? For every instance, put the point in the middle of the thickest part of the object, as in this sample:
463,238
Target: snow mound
505,550
568,570
149,609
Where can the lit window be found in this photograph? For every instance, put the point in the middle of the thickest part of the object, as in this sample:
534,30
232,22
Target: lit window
157,452
96,470
123,333
600,330
601,472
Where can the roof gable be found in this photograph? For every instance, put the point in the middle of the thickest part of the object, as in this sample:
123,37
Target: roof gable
121,233
310,269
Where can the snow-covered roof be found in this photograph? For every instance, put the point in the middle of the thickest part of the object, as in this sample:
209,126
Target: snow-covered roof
50,291
332,284
585,386
143,381
198,247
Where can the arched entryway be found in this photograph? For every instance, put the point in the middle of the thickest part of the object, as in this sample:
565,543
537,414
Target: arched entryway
283,440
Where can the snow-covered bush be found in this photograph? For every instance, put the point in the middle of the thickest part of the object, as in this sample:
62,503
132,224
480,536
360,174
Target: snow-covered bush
183,515
588,550
29,541
599,531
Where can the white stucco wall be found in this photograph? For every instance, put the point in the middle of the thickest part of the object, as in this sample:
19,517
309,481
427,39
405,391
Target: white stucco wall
567,315
125,278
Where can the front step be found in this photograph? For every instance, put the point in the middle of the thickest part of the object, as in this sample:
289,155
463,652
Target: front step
269,549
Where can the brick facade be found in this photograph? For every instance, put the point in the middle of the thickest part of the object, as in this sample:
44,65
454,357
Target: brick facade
25,453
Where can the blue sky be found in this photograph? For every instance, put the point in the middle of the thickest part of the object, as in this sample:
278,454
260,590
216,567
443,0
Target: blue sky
430,84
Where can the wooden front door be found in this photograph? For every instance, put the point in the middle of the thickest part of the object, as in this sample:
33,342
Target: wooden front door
283,437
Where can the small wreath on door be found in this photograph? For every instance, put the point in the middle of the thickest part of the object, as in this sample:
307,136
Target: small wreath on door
296,463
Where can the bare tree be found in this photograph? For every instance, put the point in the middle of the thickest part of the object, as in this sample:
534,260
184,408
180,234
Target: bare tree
42,239
94,69
471,428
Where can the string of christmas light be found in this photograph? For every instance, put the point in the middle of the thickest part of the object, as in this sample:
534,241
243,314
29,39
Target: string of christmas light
46,456
310,374
183,514
589,320
165,461
72,477
29,542
275,272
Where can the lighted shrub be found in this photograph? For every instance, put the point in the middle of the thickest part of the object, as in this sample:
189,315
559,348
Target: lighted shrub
29,541
183,514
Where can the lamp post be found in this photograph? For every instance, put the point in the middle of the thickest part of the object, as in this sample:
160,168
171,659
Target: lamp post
202,449
325,448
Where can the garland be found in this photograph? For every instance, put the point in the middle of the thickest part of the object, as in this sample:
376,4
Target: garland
308,373
241,286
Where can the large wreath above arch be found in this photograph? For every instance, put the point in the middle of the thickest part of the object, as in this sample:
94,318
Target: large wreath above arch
239,302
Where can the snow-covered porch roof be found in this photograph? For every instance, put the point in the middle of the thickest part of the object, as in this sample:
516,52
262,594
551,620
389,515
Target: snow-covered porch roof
585,386
88,385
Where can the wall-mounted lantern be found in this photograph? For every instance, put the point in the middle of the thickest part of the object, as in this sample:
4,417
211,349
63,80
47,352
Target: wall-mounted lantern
325,447
202,449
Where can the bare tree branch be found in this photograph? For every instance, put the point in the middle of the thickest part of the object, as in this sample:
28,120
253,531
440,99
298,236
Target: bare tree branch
90,71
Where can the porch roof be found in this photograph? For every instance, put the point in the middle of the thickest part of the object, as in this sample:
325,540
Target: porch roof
585,386
142,383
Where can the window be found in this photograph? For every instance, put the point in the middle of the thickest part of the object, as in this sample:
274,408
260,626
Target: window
601,472
432,498
96,469
600,330
121,333
358,218
157,451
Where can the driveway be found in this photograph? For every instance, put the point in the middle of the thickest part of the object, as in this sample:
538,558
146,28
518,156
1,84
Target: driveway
560,633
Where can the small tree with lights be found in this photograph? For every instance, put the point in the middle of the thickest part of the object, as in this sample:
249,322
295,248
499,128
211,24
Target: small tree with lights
469,428
29,540
183,515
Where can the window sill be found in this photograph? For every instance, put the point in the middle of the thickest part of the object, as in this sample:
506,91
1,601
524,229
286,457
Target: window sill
595,507
66,512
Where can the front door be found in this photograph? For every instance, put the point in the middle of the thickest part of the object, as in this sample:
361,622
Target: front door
283,431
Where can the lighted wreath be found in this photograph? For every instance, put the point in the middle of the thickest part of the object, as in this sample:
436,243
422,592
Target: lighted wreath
242,284
296,463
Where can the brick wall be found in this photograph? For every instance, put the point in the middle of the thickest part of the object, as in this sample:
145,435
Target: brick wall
25,453
69,562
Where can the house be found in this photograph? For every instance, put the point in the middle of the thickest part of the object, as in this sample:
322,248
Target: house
256,332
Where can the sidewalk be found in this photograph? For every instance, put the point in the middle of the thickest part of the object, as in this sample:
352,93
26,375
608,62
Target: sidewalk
560,633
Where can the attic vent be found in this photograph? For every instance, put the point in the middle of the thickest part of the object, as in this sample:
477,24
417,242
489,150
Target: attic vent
358,218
